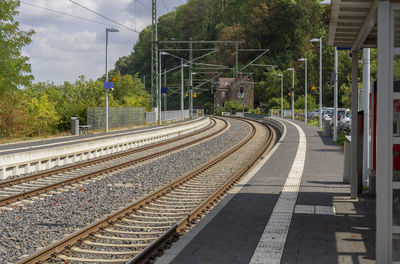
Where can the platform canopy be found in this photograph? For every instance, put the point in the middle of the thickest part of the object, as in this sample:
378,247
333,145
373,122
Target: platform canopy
353,24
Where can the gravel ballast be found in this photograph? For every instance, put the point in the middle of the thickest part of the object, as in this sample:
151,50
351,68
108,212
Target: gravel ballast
28,227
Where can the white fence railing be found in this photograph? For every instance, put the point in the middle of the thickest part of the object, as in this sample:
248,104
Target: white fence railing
275,112
151,117
166,116
287,113
174,115
198,112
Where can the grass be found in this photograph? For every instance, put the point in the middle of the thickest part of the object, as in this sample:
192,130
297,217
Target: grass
341,138
313,122
22,139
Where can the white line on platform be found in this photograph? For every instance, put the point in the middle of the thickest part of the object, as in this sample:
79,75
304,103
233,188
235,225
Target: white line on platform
270,247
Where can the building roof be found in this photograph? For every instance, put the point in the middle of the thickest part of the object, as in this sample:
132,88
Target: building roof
353,24
225,82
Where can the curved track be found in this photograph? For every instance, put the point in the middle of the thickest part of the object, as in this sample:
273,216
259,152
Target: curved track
33,185
140,228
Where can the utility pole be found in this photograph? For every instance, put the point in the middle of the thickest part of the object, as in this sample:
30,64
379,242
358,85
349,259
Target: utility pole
159,88
191,78
182,88
154,55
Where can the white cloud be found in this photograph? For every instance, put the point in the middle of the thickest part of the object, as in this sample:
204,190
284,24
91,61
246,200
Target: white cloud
65,47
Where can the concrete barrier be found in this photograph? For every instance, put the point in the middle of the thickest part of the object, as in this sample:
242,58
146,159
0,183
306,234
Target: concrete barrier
327,128
36,160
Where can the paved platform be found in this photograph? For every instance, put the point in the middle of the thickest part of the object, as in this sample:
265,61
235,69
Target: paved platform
285,213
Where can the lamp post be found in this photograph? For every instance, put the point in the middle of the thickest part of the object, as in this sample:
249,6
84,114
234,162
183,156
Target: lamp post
292,91
108,30
191,94
320,79
305,88
281,75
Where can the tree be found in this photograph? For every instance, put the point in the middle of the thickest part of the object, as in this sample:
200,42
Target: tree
14,68
43,115
299,104
15,122
275,103
129,91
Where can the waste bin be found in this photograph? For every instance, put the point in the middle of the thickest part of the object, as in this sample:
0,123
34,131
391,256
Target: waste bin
75,126
347,160
327,128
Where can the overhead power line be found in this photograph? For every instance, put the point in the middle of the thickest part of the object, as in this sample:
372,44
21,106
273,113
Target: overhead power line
66,14
103,16
140,2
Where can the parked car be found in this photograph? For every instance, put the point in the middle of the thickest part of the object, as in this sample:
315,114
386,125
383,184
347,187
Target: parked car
314,114
341,112
328,113
344,124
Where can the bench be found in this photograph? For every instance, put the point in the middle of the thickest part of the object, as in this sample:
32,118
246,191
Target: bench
83,129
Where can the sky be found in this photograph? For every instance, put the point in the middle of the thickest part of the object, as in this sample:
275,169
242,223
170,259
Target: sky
65,47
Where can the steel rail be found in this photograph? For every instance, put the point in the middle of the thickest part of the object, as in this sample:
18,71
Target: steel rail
40,175
55,248
50,187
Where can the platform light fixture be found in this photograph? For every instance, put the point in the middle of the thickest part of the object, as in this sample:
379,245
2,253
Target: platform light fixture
292,90
107,89
305,88
320,79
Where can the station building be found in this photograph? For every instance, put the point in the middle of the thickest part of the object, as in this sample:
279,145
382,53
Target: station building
229,89
358,24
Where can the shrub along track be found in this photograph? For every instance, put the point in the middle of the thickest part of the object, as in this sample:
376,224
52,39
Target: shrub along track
133,233
26,187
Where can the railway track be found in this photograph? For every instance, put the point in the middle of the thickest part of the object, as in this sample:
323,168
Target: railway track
134,232
26,187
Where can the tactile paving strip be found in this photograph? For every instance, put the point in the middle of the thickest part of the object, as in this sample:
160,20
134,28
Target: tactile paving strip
272,242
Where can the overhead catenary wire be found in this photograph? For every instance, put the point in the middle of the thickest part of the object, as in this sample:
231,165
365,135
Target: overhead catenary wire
165,5
103,16
66,14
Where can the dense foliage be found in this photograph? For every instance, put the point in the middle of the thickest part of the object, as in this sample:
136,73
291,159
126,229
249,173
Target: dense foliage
46,108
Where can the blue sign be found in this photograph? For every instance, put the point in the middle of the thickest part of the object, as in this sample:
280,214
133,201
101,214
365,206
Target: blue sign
163,90
108,85
342,48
